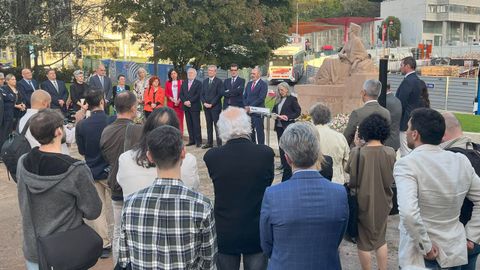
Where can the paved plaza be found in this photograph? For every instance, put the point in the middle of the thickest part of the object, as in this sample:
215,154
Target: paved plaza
11,254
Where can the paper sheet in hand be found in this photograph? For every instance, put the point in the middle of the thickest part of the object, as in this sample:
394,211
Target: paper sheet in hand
259,110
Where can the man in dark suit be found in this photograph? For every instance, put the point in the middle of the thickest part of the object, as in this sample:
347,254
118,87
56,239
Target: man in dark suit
240,171
190,97
27,85
409,93
233,89
57,91
254,96
303,220
212,104
371,91
101,81
394,106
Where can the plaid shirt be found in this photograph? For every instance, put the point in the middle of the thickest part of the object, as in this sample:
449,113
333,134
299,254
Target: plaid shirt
168,226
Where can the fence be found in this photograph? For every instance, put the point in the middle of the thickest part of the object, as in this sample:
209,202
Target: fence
445,93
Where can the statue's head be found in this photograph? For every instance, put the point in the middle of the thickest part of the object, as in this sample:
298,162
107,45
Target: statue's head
354,29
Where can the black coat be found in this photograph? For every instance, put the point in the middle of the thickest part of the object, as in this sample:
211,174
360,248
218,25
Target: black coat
233,94
77,92
61,94
290,108
240,171
409,93
212,93
192,95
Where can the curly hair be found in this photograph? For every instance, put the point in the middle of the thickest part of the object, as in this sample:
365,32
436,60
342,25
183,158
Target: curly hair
374,127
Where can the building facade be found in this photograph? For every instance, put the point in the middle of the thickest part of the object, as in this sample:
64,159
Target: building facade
437,22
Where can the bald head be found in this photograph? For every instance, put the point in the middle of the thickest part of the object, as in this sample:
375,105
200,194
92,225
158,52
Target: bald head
453,128
40,99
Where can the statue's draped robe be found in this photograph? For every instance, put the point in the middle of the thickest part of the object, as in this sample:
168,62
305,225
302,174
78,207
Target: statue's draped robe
335,70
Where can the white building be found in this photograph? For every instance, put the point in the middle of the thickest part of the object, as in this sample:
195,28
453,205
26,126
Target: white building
439,22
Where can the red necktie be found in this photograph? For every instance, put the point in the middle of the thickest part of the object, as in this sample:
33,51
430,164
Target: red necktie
253,85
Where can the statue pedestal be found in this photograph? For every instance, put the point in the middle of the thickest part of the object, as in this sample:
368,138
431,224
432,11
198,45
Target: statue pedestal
340,98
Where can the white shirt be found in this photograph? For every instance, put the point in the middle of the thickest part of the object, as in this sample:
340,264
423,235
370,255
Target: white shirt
33,142
175,89
133,178
334,144
432,184
411,72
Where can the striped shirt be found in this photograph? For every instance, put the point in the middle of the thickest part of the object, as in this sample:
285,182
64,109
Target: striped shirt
168,226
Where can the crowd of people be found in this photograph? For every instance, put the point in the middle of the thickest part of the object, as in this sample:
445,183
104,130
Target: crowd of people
161,219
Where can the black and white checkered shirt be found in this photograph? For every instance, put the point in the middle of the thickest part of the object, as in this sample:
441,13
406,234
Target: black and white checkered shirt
168,226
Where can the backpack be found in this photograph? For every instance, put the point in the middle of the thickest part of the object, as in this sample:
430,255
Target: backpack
472,152
13,148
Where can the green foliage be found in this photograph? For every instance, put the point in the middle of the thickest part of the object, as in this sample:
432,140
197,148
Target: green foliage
205,32
313,9
394,30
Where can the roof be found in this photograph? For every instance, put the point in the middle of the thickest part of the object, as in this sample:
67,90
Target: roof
309,27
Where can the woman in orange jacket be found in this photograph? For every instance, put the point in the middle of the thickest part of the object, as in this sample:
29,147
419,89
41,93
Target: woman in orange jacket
153,97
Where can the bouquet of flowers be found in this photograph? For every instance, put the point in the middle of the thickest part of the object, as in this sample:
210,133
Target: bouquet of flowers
339,122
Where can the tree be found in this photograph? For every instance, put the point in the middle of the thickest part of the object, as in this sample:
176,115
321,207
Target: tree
32,26
312,9
200,32
394,28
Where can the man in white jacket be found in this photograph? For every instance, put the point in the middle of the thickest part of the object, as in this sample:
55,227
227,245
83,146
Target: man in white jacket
432,184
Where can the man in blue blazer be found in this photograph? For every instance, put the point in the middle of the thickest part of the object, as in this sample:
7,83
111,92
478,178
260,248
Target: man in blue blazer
409,93
233,89
211,97
27,85
303,220
254,96
57,91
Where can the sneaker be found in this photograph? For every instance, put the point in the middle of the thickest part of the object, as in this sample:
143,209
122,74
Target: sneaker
106,252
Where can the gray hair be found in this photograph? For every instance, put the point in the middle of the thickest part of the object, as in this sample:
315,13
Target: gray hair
372,88
141,69
78,72
320,114
234,123
301,142
9,77
283,85
2,75
212,67
192,69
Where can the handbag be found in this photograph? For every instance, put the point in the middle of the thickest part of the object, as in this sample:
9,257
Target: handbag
75,249
352,226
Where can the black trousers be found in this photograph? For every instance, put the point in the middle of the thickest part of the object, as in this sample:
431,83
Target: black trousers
287,170
6,129
193,126
258,134
211,115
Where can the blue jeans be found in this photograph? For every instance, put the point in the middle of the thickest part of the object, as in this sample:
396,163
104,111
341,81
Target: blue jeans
31,265
472,258
435,266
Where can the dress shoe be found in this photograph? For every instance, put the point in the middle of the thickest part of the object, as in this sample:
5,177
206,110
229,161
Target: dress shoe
199,145
190,143
106,252
206,146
